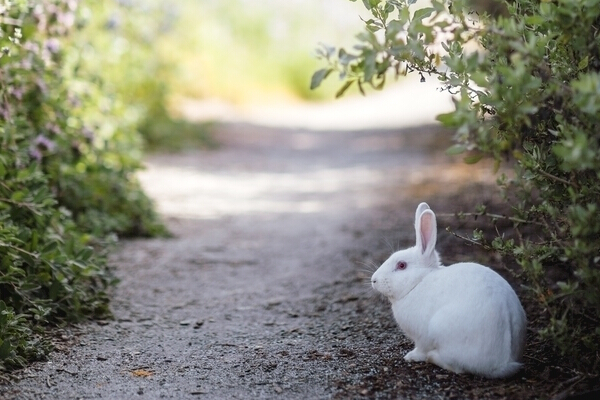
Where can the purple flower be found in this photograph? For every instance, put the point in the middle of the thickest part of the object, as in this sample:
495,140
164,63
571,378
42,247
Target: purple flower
52,45
67,19
53,128
40,145
35,154
43,143
17,92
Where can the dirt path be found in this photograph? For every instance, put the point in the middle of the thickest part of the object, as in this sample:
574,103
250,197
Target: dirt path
263,292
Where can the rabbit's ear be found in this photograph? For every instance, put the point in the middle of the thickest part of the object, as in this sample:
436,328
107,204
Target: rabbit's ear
427,233
422,207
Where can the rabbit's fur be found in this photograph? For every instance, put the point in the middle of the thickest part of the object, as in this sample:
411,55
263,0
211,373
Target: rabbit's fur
464,317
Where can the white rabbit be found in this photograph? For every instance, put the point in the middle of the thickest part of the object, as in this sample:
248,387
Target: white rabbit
464,318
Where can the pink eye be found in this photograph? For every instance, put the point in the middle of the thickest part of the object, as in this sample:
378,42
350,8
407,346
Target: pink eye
400,265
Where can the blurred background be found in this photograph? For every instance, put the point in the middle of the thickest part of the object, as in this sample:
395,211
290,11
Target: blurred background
211,56
179,65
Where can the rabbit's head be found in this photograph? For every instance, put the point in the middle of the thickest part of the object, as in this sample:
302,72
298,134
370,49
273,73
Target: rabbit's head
404,269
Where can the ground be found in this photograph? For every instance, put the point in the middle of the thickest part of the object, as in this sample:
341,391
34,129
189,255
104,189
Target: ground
263,291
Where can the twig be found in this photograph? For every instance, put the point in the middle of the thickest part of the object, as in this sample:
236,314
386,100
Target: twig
468,239
11,21
533,358
4,378
556,178
67,371
29,206
519,235
565,393
497,216
10,246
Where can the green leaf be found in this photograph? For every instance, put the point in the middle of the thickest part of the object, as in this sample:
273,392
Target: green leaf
480,78
85,254
343,89
17,196
345,58
473,159
318,77
360,88
583,64
29,286
456,149
369,65
423,13
56,289
369,4
50,247
34,240
373,28
5,349
404,14
546,9
534,19
393,28
447,119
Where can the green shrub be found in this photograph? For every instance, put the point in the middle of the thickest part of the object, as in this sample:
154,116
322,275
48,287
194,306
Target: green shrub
530,93
68,150
134,49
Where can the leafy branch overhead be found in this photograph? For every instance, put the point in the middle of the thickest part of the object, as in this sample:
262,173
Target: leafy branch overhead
397,44
525,75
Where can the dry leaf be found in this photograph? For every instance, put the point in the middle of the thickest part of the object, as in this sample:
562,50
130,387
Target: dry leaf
142,372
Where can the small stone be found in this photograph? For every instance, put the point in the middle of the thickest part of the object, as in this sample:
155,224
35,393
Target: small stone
274,302
198,324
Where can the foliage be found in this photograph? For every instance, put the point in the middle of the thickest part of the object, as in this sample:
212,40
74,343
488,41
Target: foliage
245,51
526,75
68,149
159,53
125,46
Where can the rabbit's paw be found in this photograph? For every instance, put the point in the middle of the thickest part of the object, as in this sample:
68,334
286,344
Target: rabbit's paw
415,355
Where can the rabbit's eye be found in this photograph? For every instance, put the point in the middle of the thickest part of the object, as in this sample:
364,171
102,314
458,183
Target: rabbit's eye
401,265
